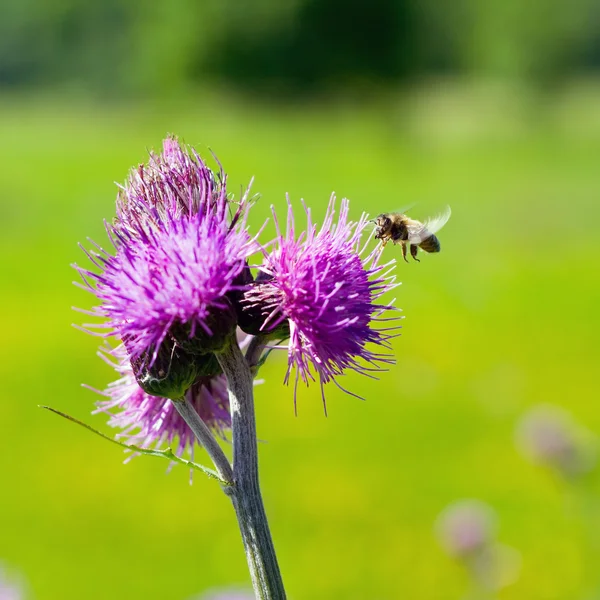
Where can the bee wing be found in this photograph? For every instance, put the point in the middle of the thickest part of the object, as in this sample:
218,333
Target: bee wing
434,224
419,232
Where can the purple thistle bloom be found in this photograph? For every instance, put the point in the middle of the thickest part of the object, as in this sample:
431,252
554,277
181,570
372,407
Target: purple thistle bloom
167,294
175,276
152,421
320,283
175,183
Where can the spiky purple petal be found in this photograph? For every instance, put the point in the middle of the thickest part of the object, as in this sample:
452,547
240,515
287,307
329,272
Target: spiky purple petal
178,273
320,282
177,182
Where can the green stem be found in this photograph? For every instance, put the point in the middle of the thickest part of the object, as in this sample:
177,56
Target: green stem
245,493
205,438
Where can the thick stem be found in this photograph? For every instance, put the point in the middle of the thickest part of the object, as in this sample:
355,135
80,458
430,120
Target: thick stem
205,438
245,493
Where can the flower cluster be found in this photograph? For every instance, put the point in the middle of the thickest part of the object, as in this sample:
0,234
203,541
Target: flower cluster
179,284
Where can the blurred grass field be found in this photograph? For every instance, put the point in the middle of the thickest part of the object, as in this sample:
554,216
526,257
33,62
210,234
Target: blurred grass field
504,318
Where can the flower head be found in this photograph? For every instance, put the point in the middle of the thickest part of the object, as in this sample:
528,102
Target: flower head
150,421
171,281
176,182
326,291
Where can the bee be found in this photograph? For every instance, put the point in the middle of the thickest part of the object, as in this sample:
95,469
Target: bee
410,233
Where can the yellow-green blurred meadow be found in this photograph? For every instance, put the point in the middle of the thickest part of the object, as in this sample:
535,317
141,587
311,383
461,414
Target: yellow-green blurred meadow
504,318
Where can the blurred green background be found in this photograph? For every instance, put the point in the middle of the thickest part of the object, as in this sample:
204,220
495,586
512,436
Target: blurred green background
493,108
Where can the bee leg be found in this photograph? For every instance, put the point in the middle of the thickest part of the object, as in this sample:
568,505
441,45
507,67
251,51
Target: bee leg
413,252
404,251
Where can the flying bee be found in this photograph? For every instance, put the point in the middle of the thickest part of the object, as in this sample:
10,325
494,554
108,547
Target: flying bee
410,233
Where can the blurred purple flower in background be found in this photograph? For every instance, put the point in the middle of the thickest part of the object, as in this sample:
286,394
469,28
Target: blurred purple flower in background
549,436
466,527
326,291
232,593
9,590
467,531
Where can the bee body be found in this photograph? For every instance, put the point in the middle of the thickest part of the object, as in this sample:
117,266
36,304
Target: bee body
410,233
431,244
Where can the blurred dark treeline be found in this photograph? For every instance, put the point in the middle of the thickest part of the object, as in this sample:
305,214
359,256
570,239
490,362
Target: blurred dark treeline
143,45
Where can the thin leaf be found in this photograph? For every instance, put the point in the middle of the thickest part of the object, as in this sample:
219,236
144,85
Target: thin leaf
168,453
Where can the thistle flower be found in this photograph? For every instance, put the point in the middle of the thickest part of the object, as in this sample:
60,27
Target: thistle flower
176,182
171,282
548,435
152,421
326,291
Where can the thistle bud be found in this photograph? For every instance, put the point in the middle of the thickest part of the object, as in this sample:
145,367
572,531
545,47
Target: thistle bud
255,310
169,374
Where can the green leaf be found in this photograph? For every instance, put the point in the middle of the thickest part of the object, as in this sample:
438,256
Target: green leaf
168,453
